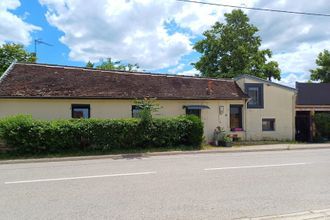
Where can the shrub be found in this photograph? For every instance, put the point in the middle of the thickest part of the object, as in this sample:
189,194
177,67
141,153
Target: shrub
322,123
27,135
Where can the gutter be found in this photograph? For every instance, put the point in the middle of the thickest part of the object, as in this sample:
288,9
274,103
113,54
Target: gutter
109,98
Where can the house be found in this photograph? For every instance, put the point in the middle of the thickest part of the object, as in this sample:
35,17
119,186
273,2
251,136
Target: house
269,114
312,98
59,92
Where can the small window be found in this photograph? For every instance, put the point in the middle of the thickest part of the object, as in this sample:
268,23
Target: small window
268,124
255,92
135,111
236,117
80,111
196,112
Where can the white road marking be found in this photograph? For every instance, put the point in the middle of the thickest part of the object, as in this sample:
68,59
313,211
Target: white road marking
256,166
80,177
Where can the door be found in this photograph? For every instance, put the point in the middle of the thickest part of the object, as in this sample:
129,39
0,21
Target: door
303,121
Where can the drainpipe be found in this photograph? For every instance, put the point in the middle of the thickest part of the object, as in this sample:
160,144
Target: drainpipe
294,97
245,114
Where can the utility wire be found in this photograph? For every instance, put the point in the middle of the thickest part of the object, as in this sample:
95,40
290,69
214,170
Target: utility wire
257,9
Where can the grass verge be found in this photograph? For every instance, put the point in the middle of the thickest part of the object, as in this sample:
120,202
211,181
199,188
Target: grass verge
13,155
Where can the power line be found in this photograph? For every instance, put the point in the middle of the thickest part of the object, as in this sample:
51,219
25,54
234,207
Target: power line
257,9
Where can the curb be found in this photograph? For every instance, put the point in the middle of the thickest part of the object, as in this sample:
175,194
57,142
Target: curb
141,155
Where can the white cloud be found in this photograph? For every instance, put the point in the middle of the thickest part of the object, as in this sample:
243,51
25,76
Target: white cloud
302,58
191,72
12,27
200,17
295,40
177,68
291,79
135,30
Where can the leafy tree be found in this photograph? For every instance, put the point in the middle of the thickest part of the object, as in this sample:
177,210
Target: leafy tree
322,72
89,64
232,48
108,64
271,69
147,106
10,52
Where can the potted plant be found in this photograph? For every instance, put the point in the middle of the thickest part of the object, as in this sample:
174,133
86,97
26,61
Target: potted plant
227,141
221,138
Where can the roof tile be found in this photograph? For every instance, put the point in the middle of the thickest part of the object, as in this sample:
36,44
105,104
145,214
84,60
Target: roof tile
43,81
313,94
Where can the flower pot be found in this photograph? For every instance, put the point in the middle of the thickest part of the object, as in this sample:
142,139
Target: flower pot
225,144
228,144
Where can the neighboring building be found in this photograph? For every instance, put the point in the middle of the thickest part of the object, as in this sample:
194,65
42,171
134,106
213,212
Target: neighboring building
270,113
312,98
59,92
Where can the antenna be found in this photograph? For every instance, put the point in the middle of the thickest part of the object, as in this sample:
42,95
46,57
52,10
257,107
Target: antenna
37,42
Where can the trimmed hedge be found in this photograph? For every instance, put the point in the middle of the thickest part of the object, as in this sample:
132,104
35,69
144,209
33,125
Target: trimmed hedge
322,123
27,135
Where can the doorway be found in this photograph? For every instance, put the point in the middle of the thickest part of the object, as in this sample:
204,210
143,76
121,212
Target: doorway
303,124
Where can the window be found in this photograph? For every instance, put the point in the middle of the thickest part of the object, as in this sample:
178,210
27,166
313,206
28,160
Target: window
195,109
255,92
135,111
236,117
80,111
268,124
196,112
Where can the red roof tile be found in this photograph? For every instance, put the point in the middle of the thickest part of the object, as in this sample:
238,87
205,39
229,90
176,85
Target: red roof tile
51,81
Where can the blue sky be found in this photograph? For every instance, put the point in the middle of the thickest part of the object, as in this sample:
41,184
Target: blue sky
158,35
34,13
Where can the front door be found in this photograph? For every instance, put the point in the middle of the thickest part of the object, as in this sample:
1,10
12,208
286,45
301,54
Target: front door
303,126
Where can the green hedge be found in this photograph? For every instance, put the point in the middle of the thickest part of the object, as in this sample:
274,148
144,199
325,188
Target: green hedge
322,123
27,135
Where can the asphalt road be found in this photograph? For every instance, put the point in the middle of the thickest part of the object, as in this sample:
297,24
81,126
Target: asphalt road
204,186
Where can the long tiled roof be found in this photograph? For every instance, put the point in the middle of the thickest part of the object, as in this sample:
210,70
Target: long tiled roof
52,81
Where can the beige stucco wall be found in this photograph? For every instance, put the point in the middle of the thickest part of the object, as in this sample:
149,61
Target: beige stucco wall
279,103
61,109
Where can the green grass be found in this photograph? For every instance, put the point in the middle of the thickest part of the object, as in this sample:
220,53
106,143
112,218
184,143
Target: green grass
13,155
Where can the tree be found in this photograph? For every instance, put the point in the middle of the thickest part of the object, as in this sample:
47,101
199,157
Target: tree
10,52
322,72
108,64
89,64
271,70
232,48
147,106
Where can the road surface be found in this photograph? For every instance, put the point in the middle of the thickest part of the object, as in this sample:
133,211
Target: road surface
201,186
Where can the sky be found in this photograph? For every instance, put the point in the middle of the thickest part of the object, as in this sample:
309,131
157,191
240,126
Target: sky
159,34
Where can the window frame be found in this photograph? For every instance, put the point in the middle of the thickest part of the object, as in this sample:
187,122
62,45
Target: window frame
260,87
87,106
272,122
134,107
199,112
241,118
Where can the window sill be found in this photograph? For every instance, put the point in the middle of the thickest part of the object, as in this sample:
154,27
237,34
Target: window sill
237,131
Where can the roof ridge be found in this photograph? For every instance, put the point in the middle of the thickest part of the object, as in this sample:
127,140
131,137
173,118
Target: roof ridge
124,71
264,80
